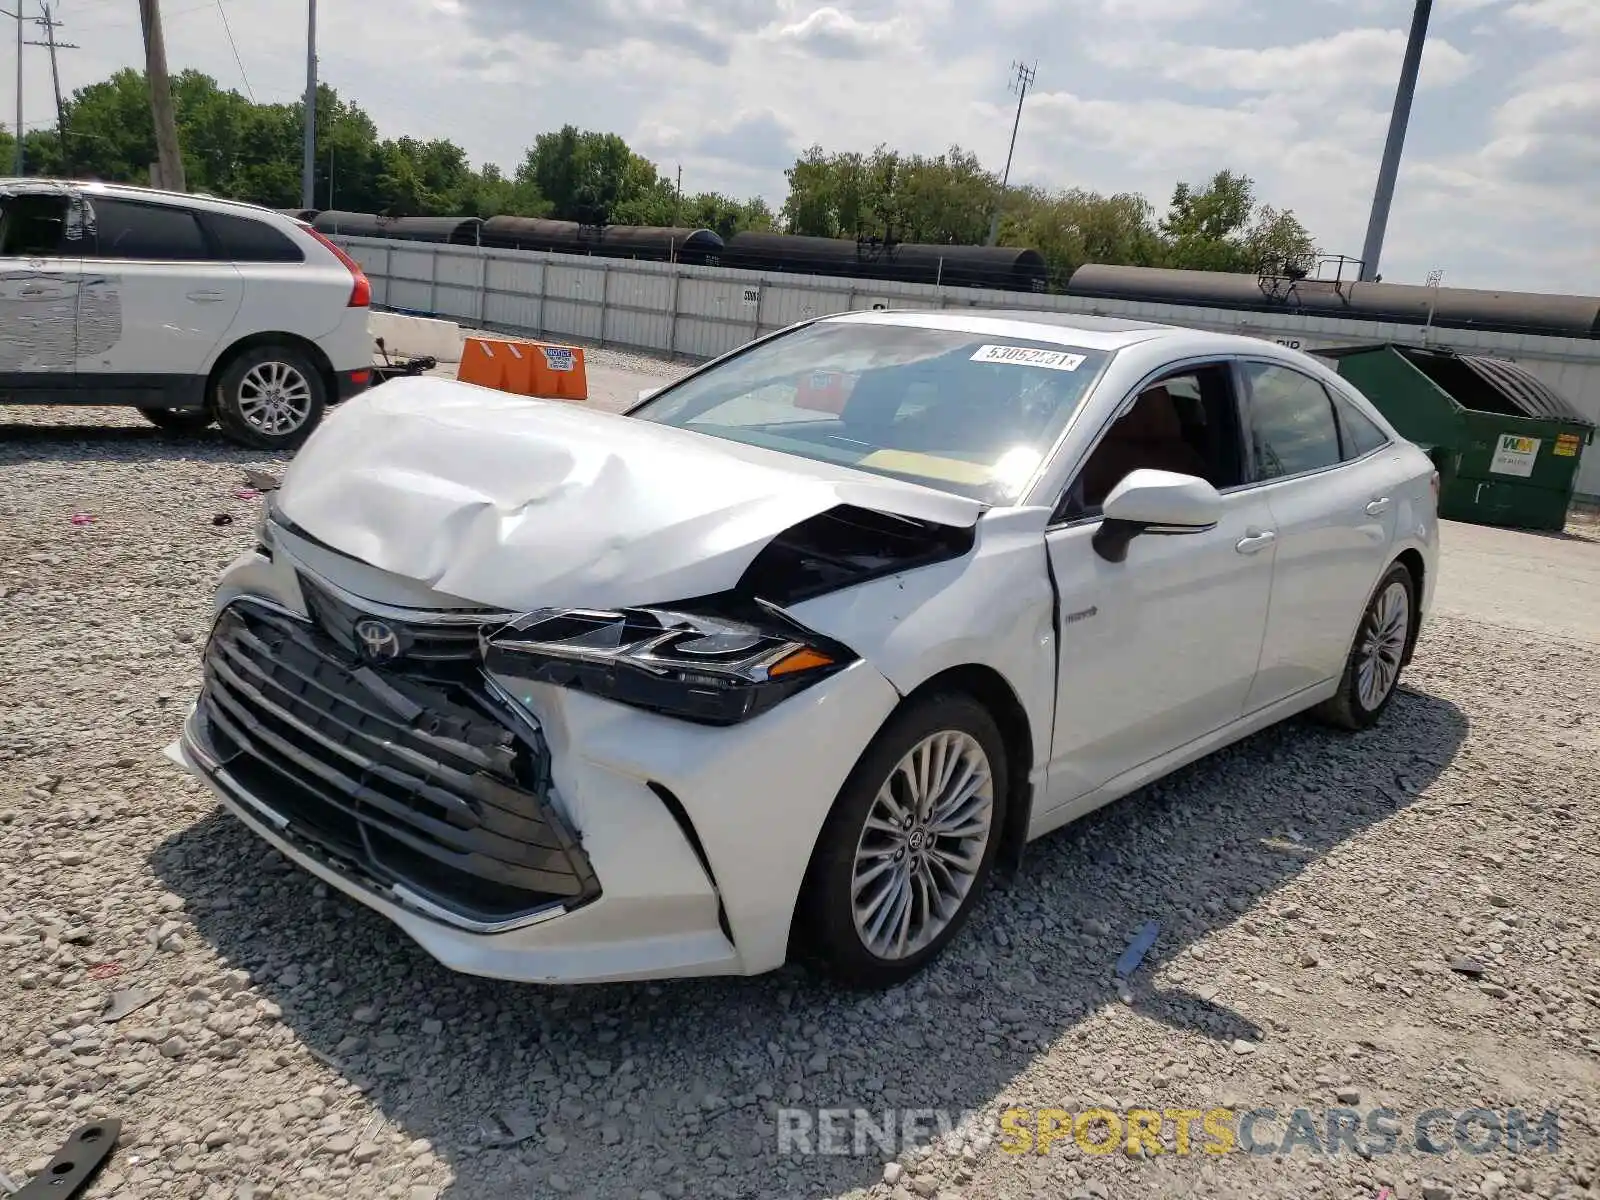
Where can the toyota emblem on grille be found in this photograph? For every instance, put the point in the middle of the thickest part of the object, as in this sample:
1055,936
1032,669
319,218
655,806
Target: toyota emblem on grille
378,641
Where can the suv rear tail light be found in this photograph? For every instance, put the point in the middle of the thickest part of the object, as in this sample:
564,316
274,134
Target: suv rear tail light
361,291
1434,484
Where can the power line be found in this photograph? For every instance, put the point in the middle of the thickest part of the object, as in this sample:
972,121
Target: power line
167,18
50,26
228,29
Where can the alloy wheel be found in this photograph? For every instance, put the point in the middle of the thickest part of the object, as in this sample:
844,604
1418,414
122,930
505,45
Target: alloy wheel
1383,645
923,844
275,397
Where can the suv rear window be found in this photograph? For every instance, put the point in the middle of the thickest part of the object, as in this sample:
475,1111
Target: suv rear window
243,239
125,229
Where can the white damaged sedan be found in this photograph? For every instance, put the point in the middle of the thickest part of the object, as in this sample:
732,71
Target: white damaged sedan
780,663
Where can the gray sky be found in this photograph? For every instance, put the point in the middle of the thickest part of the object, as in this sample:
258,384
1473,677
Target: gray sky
1499,186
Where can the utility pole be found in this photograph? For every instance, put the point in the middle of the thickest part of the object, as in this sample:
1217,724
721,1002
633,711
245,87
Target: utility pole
168,157
677,199
308,170
1022,77
18,130
50,26
1389,170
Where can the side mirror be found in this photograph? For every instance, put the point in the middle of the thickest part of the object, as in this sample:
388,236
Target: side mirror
1157,502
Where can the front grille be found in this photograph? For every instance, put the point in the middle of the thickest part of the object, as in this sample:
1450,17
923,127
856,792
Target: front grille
444,639
419,782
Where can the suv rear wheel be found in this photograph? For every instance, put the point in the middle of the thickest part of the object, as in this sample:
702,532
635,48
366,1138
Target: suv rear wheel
270,398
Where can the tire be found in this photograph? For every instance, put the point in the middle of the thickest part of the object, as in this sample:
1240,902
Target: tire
830,934
184,421
1382,638
270,398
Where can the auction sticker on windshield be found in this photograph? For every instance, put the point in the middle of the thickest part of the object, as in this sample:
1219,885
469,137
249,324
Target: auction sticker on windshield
1027,356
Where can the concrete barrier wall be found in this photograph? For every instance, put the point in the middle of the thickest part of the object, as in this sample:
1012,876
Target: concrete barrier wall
417,337
702,312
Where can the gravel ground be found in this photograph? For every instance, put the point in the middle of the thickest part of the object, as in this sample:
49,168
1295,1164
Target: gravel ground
1312,890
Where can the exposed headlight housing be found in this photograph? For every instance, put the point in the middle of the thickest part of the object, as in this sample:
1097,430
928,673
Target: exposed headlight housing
708,668
268,486
264,523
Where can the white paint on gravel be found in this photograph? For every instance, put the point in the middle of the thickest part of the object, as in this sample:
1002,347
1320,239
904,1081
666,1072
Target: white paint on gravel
1310,886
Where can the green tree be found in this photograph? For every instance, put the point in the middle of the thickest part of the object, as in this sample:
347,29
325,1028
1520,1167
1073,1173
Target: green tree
596,179
1221,227
948,199
1074,227
889,195
725,215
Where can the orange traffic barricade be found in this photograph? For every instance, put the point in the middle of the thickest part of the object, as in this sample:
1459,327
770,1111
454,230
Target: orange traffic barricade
483,363
525,368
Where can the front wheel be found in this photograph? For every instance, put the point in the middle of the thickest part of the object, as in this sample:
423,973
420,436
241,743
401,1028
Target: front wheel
1372,672
270,398
909,845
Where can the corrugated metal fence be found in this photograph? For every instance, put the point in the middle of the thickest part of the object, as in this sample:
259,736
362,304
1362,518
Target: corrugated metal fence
701,312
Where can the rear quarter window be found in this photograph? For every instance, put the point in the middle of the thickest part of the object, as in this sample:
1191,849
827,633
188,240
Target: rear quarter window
245,239
1359,434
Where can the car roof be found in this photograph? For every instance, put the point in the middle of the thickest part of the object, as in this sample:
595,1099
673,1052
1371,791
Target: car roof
132,191
1042,325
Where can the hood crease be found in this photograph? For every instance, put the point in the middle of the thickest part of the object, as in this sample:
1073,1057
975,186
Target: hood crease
522,504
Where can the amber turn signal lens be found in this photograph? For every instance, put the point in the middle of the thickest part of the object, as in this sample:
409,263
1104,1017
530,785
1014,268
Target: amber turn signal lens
801,660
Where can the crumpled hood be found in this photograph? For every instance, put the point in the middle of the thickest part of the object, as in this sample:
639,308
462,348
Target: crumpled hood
523,504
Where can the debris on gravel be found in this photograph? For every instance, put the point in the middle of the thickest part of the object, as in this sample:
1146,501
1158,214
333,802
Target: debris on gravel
1399,929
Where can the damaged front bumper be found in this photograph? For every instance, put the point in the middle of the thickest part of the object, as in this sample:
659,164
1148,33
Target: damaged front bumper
417,785
547,836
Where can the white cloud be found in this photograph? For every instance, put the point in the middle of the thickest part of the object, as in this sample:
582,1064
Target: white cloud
1348,60
1164,135
1576,18
1159,11
830,33
1131,95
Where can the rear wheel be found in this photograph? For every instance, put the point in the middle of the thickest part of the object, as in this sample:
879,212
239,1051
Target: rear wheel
270,398
909,845
186,421
1372,672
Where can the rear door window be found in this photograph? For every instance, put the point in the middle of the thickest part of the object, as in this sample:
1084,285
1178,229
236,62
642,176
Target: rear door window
1292,426
159,232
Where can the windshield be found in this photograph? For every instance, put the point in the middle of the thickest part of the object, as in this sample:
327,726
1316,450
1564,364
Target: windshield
958,411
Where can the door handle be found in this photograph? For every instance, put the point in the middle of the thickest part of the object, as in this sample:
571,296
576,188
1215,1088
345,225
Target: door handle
206,297
30,291
1256,541
1379,506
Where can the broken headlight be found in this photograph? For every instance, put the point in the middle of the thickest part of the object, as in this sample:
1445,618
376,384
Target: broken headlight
714,669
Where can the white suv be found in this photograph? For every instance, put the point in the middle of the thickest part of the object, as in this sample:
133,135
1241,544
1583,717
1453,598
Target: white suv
190,308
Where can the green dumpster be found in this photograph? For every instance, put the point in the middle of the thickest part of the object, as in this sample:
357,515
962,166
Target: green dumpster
1507,445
